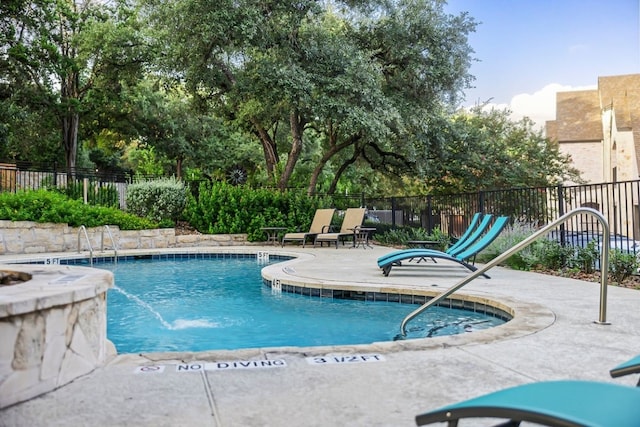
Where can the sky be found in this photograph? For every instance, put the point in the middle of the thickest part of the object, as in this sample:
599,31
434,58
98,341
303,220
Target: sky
527,50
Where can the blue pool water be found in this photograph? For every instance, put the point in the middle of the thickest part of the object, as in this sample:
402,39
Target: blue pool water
212,304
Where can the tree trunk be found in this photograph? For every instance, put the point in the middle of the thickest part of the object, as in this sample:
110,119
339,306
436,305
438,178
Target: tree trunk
297,128
179,168
341,169
69,97
70,124
268,147
333,150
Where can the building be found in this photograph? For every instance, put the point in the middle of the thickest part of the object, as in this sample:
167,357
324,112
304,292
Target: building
600,128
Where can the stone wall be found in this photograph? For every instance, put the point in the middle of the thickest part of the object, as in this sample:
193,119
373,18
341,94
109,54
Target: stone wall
25,237
53,329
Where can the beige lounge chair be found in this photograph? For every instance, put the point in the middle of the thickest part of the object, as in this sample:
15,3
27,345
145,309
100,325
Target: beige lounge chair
353,218
320,224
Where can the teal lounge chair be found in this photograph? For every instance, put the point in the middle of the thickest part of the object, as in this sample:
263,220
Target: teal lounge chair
386,263
553,403
631,366
472,233
549,403
472,226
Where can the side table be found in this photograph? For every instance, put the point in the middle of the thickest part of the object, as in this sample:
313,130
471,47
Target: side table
273,234
361,236
423,244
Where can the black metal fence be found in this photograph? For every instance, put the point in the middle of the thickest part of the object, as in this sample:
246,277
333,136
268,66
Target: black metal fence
618,202
96,187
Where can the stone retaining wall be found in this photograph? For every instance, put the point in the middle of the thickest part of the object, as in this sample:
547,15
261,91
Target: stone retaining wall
25,237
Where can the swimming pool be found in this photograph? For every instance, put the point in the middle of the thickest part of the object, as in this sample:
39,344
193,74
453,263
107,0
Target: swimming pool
210,302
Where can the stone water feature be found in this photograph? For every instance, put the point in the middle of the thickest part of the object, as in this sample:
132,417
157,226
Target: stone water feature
53,327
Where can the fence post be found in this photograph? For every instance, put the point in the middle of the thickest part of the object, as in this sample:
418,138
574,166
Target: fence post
55,174
393,211
481,201
560,196
429,216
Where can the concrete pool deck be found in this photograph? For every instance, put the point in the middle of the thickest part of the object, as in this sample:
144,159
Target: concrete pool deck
552,336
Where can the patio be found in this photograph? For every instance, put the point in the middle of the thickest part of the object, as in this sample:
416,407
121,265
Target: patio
552,336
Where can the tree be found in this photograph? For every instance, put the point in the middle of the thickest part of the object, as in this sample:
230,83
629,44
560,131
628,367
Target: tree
416,65
26,133
357,83
209,47
471,144
56,51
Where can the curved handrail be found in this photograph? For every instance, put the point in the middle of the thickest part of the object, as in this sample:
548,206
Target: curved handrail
115,246
604,266
84,229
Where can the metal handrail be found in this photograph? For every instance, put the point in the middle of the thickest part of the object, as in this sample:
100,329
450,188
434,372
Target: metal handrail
115,246
83,228
604,266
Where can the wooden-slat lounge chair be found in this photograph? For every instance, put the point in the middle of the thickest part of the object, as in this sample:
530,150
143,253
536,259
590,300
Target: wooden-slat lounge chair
320,224
353,218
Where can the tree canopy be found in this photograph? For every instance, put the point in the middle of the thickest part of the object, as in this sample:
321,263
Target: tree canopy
327,96
486,150
56,51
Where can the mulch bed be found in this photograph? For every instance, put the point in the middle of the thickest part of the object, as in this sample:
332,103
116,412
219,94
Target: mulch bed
183,228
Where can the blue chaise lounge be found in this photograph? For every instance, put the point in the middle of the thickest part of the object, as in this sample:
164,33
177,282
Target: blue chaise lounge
460,255
552,403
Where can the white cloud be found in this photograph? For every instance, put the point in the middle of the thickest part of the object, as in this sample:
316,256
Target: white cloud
539,106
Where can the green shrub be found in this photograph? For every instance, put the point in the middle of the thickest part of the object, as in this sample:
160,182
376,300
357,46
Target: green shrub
400,236
437,235
552,255
622,265
585,258
51,206
161,200
223,208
